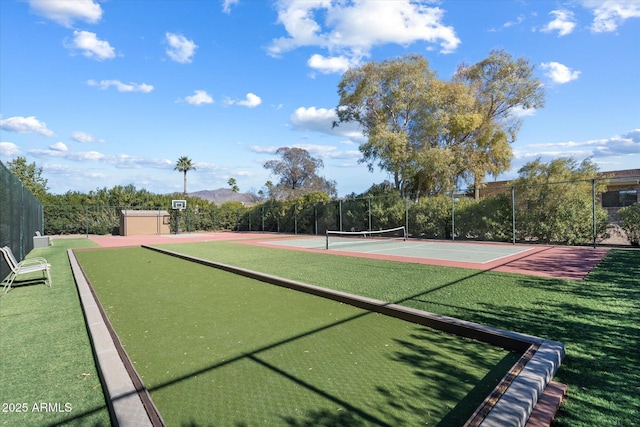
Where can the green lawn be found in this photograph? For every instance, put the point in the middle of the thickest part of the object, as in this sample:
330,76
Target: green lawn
45,352
597,318
216,347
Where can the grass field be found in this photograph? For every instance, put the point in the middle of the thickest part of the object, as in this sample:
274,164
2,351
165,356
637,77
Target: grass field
47,372
46,354
597,318
215,347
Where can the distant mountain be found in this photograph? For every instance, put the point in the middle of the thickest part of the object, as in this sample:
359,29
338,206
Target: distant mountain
222,195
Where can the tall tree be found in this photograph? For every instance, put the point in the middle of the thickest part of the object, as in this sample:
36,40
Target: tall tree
385,99
297,170
184,165
30,175
502,86
429,133
233,184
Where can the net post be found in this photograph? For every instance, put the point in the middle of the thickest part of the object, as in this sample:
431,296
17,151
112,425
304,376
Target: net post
513,214
326,246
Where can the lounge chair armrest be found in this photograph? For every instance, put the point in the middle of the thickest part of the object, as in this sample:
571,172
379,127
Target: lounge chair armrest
32,261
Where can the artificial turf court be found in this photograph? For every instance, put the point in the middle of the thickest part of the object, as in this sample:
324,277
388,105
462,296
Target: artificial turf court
212,346
596,317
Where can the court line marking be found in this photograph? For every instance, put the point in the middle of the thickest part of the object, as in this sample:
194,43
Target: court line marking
451,250
391,246
455,259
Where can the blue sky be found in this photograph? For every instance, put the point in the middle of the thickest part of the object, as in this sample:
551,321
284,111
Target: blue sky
104,93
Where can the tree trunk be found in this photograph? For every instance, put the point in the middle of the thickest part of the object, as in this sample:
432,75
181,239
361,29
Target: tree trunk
185,183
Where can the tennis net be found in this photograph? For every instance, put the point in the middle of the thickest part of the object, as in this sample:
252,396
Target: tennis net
336,238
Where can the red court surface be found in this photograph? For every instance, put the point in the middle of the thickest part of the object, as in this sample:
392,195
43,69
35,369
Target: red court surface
564,262
120,241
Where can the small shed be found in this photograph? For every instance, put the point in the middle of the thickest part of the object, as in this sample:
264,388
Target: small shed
144,223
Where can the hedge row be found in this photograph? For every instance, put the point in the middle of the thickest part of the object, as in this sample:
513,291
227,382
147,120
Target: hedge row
566,220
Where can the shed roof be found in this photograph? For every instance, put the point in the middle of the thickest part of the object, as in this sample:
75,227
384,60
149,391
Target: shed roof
134,212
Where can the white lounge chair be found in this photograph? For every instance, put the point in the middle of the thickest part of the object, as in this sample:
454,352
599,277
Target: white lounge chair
28,265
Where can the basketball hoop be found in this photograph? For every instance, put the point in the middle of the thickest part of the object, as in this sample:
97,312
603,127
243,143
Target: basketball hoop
178,204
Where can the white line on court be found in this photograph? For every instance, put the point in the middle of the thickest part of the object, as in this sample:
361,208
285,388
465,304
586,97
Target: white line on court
452,250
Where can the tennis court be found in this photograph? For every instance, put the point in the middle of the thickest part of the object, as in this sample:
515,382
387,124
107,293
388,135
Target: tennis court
444,251
563,262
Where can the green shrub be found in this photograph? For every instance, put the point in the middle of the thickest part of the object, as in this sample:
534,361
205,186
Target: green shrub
485,219
431,218
630,222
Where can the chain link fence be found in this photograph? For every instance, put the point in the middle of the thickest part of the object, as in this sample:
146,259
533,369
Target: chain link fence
21,216
569,213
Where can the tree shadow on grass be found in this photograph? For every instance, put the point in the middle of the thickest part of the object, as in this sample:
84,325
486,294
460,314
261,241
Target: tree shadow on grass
458,391
326,418
597,319
556,318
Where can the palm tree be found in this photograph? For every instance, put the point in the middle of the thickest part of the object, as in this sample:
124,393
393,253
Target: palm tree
184,165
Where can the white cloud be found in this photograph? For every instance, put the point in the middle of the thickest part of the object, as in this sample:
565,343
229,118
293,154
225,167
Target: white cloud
251,101
79,156
519,20
351,29
83,137
559,73
121,87
519,112
334,64
91,46
9,149
226,5
628,143
120,161
263,150
25,125
180,48
325,152
312,118
126,161
321,120
563,23
608,15
65,12
618,145
59,146
199,97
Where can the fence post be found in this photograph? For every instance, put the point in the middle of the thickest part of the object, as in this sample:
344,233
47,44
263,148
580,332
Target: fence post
262,214
593,205
295,219
406,214
513,214
369,200
453,214
86,220
22,223
315,218
340,212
